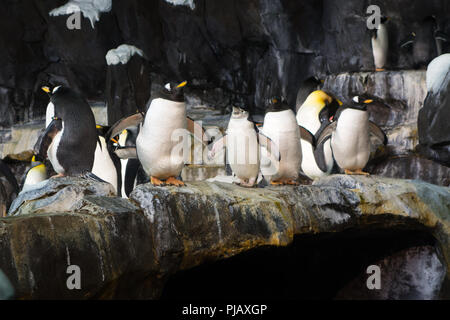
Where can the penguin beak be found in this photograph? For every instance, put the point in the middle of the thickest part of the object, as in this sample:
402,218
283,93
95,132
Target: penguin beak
46,89
181,85
368,101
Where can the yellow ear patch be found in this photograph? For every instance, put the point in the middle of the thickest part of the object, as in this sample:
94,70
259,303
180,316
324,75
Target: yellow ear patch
99,126
183,84
340,102
46,89
33,159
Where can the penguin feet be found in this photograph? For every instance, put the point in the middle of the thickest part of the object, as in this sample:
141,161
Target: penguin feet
356,173
380,69
174,182
156,182
285,182
249,184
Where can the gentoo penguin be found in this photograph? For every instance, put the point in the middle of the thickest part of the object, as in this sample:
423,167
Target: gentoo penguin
106,163
280,125
71,138
314,115
380,45
36,174
243,141
426,41
158,142
349,134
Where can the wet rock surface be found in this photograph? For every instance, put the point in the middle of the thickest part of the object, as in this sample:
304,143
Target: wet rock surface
131,247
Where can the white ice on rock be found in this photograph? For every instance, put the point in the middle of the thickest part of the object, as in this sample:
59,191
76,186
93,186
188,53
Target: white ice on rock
189,3
122,54
91,9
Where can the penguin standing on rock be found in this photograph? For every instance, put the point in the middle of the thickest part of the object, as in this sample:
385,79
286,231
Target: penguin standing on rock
314,115
349,135
280,125
157,144
243,141
71,137
380,45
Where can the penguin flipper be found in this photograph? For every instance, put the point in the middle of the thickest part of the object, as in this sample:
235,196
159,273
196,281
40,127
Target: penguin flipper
119,126
126,153
46,139
326,134
439,35
131,173
196,129
217,147
4,169
377,132
319,155
306,135
269,145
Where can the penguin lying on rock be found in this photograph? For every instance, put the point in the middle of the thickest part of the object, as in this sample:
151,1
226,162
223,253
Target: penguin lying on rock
315,114
36,174
157,142
349,135
70,139
243,141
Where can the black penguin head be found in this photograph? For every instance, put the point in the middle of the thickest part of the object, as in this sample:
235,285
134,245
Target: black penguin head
174,92
239,113
358,103
276,104
384,19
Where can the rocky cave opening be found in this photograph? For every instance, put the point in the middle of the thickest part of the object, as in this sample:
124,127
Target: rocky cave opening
325,266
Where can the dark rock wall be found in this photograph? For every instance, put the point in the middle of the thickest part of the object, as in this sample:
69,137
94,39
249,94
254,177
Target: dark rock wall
249,49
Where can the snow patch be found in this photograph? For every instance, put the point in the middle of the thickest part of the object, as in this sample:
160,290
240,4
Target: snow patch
189,3
122,54
91,9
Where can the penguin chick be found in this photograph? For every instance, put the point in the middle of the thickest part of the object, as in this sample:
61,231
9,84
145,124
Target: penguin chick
243,141
36,174
349,135
71,138
280,125
380,45
315,114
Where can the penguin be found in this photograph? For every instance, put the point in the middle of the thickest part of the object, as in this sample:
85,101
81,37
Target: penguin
436,72
349,135
314,115
164,122
243,141
106,163
36,174
71,138
380,45
426,41
280,126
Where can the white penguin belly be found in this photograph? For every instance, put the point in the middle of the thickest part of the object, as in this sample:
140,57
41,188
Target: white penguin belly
350,141
160,142
123,165
243,149
35,176
282,129
49,114
380,47
309,164
104,167
52,151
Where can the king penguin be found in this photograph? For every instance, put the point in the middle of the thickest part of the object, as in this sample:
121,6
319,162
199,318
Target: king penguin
280,125
36,174
314,115
243,141
349,134
70,139
380,45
